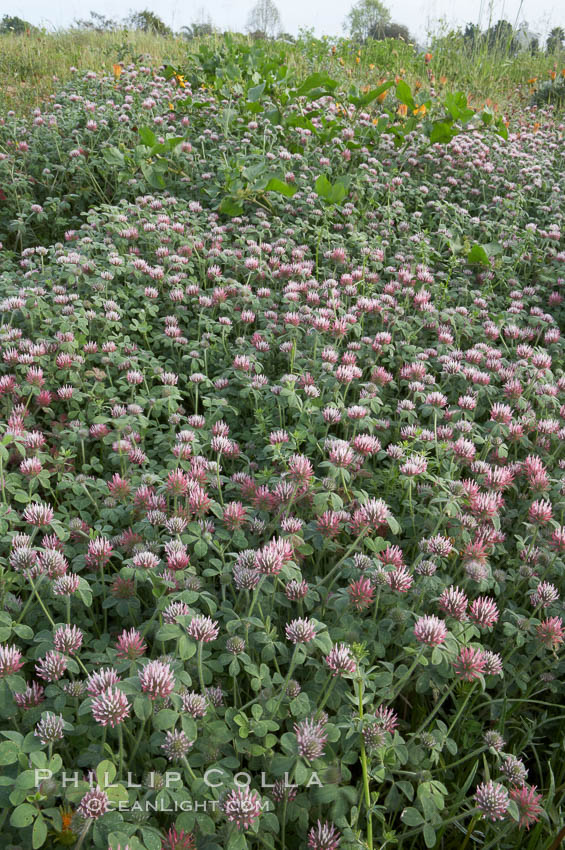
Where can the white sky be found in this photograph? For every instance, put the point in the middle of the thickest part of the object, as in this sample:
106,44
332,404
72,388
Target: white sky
325,16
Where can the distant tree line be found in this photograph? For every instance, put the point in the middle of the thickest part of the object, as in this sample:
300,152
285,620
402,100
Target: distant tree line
367,19
503,37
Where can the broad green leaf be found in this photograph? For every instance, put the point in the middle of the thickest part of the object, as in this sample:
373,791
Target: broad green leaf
186,648
366,99
404,94
153,176
318,80
282,188
165,719
39,833
142,707
230,207
501,128
23,815
237,841
254,93
323,187
477,254
170,631
456,105
147,136
105,773
332,194
113,156
441,132
412,817
9,752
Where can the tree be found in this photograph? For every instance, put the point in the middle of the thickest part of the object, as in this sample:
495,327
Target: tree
367,19
472,35
264,18
501,37
391,30
197,30
13,24
96,23
200,27
555,40
148,22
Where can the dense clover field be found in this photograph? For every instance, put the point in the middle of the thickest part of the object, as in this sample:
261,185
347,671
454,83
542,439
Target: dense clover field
281,468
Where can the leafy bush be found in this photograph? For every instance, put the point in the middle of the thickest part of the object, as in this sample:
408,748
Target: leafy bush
62,163
551,92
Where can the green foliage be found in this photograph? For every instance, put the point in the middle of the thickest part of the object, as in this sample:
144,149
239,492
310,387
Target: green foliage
148,21
11,24
391,30
244,83
555,39
550,92
273,247
367,19
97,23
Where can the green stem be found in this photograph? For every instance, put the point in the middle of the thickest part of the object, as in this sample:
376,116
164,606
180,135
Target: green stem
121,752
460,761
83,834
469,832
327,695
200,668
287,679
283,817
348,552
188,767
137,741
365,770
218,480
40,600
407,675
255,596
461,708
28,603
437,707
2,479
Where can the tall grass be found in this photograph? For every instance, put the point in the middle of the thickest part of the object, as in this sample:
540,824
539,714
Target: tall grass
491,71
33,66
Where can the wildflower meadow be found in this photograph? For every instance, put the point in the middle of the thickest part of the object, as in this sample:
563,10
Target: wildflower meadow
282,480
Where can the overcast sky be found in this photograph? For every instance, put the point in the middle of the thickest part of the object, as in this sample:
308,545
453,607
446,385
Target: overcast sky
325,16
